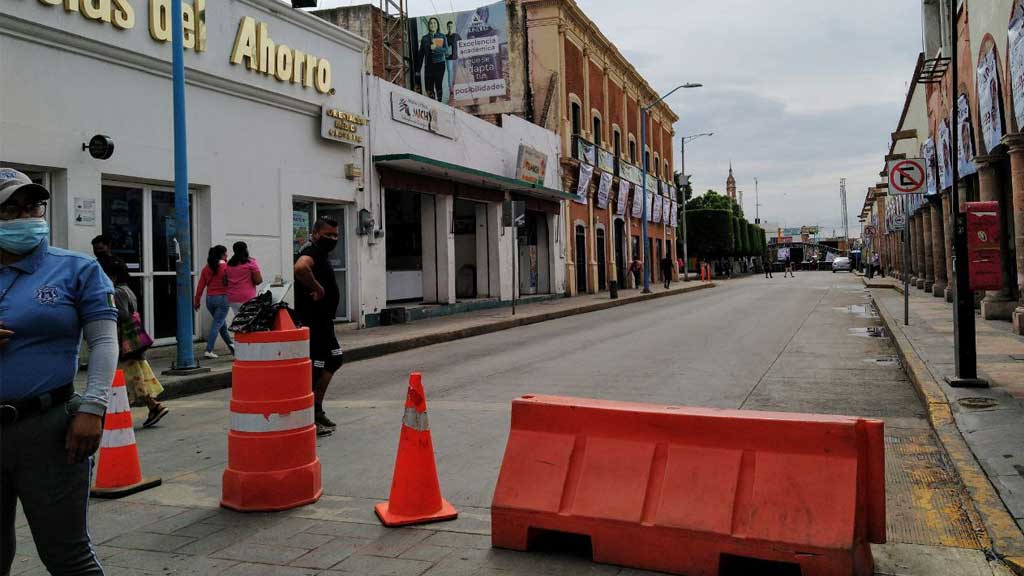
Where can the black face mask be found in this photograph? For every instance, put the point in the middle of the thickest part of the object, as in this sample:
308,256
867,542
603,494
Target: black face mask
326,244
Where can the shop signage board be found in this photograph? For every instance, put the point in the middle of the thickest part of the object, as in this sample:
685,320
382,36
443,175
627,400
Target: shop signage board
983,254
423,113
341,126
531,167
906,176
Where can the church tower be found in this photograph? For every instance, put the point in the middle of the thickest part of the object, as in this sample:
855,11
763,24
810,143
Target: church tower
730,184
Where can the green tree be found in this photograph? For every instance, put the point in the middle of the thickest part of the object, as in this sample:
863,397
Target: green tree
740,235
710,233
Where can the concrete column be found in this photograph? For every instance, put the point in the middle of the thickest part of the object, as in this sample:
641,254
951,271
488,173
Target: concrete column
1016,144
938,248
997,304
912,264
929,263
947,227
922,273
444,215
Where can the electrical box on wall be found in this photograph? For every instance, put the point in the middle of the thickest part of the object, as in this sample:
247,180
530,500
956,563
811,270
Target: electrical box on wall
353,171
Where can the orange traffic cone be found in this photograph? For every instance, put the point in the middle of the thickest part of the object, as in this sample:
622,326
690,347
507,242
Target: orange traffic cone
118,473
415,492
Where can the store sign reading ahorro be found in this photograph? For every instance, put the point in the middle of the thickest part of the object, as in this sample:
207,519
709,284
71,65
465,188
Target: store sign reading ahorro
253,45
532,165
341,126
423,113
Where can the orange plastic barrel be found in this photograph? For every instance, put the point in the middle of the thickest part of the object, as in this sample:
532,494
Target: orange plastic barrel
272,461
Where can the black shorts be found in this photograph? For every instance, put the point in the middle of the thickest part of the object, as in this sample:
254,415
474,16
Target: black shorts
324,349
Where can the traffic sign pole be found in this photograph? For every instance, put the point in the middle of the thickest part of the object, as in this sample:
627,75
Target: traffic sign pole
906,258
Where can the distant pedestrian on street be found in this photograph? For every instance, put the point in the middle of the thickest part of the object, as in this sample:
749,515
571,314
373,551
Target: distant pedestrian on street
767,266
637,268
214,280
133,341
789,267
244,276
666,271
49,299
316,302
876,263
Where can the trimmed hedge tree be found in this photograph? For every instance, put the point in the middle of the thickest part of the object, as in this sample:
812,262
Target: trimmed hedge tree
710,233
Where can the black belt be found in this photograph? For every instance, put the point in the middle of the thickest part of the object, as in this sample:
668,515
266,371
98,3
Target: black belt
11,412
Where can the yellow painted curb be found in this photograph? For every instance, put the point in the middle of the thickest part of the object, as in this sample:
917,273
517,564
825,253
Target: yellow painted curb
995,526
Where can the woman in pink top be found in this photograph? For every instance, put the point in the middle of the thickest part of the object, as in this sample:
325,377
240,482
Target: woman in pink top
243,276
214,281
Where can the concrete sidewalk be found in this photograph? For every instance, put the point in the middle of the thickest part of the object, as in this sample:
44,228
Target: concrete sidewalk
982,429
380,341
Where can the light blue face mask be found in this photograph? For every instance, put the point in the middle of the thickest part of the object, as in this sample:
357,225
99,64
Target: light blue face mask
22,235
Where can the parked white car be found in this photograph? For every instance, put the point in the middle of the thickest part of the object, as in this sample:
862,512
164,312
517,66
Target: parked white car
841,263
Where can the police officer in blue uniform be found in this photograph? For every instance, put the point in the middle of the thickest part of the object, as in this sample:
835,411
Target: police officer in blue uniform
49,298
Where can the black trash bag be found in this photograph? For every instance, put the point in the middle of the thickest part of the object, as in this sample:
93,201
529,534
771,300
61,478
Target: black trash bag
257,315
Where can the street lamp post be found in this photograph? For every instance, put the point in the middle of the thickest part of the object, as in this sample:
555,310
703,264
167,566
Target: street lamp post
686,182
643,177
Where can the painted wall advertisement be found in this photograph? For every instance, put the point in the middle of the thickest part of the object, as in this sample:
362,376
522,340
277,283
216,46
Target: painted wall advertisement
945,155
623,197
461,58
990,105
1016,41
965,142
928,153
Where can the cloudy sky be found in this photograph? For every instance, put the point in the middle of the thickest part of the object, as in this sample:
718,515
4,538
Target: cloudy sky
799,93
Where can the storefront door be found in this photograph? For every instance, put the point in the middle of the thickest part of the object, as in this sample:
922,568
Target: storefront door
602,272
620,252
304,215
140,222
533,255
581,259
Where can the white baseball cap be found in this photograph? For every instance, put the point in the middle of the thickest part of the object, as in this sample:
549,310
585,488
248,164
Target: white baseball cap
12,180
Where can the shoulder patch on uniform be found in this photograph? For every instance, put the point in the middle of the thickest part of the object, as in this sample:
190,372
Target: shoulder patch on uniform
110,301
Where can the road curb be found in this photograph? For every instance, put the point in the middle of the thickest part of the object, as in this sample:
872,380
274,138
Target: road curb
198,384
997,528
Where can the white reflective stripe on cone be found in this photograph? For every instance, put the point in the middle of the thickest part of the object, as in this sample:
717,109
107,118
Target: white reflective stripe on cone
118,401
242,422
416,420
118,438
270,351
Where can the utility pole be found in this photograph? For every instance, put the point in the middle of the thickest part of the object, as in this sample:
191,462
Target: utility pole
842,198
964,337
757,204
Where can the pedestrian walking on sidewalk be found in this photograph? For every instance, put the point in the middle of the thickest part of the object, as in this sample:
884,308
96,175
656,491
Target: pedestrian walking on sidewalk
214,280
876,264
316,304
767,266
244,276
666,271
789,267
133,342
637,268
49,299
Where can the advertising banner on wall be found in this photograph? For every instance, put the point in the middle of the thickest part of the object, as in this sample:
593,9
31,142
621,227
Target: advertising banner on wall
656,212
620,208
674,211
928,153
1017,61
586,174
603,188
965,140
990,104
461,58
650,204
944,156
638,203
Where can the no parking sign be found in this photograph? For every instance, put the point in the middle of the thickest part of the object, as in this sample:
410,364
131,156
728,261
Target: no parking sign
907,176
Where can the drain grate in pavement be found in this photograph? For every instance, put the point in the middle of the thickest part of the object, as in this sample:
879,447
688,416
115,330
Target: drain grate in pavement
925,502
884,361
977,403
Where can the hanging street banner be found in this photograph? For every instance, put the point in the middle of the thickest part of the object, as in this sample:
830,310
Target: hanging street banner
906,176
945,157
928,152
586,174
965,144
602,190
630,172
990,105
461,58
650,204
1017,60
675,213
638,203
620,208
666,206
656,212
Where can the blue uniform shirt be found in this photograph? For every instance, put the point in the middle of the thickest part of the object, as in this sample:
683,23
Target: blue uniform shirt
45,299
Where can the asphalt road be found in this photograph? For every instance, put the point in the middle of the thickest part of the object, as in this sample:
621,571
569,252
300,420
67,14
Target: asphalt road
787,344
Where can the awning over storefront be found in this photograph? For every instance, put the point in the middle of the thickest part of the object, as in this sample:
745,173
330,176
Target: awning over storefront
437,169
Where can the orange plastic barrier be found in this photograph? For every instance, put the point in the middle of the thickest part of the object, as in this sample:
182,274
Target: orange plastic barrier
692,491
415,490
272,461
118,472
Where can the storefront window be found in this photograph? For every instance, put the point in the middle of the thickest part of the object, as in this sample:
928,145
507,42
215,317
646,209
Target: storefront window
304,216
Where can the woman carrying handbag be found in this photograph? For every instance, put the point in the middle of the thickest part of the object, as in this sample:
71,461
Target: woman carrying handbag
133,340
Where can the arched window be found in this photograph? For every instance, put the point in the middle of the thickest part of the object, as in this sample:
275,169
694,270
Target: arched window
632,150
597,129
576,118
617,142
